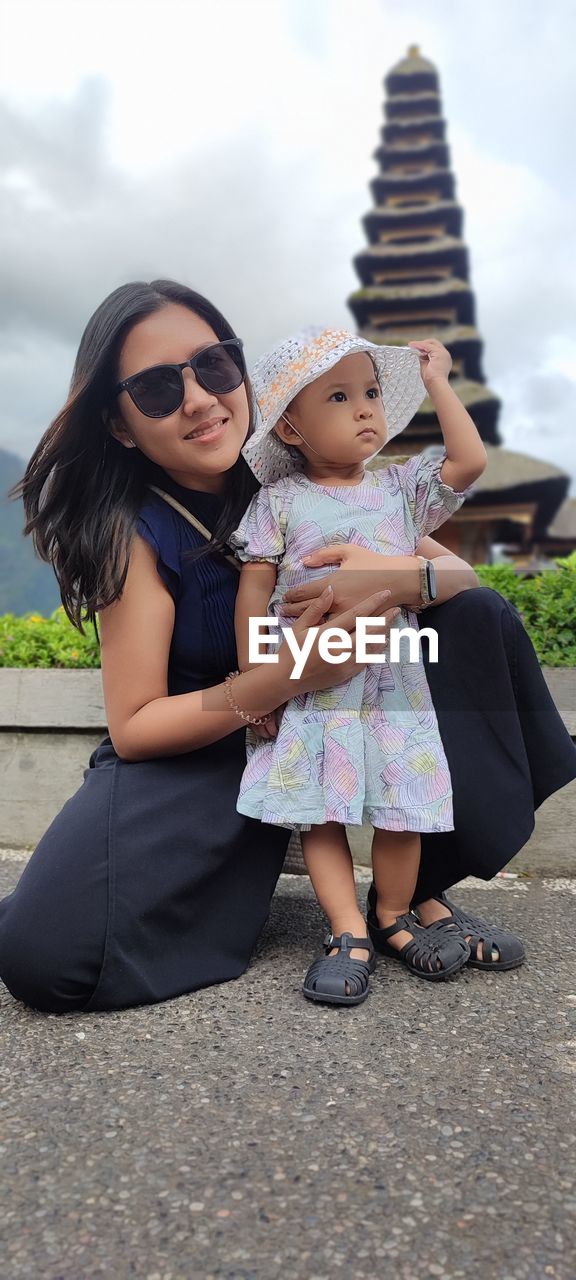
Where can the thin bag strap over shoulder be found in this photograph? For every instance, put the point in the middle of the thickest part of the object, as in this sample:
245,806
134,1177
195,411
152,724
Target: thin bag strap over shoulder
173,502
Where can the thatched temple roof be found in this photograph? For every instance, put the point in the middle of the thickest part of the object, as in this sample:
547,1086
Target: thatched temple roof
427,288
395,248
401,337
410,211
506,469
468,393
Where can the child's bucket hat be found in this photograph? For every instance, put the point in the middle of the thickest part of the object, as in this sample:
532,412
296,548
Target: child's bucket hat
293,364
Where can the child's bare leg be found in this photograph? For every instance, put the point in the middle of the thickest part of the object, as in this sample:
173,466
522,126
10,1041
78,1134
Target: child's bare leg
396,862
329,864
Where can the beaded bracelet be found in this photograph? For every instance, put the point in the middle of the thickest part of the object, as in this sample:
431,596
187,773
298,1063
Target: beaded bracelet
244,715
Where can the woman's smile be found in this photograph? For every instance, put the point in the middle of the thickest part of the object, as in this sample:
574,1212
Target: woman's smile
208,432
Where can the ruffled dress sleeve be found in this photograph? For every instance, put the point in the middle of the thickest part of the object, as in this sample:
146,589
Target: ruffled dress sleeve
260,534
431,501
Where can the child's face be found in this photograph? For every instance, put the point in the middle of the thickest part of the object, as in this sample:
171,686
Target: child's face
340,415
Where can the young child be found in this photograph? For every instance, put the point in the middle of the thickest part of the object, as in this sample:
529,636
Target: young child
370,749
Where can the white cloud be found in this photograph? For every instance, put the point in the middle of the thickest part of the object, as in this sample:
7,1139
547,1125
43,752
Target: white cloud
230,145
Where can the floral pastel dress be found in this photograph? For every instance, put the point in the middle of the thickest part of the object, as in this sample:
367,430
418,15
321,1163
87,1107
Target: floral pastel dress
368,750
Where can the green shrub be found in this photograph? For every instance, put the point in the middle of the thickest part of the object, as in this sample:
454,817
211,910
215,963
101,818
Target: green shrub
32,641
546,601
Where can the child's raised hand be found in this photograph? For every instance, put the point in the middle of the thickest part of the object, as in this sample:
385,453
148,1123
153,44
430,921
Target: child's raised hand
435,360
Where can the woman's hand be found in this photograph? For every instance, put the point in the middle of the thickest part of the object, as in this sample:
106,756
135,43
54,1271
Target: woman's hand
435,361
358,572
317,673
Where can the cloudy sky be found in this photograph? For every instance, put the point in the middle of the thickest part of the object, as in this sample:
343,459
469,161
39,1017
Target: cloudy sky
228,143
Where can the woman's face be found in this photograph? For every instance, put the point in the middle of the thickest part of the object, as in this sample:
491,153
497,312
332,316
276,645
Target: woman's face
202,439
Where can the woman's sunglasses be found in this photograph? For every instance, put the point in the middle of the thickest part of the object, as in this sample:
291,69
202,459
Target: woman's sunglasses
159,391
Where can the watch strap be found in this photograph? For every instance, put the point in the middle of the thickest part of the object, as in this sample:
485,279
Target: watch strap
425,597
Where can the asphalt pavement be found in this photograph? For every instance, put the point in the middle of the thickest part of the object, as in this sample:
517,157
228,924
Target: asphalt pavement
244,1133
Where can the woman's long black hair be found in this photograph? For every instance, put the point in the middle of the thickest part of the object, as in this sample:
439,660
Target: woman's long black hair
82,490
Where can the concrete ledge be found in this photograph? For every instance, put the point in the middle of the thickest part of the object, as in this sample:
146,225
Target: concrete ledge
561,682
44,699
51,721
38,774
38,699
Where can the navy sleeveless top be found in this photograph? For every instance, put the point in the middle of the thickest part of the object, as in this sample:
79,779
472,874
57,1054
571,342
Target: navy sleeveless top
203,648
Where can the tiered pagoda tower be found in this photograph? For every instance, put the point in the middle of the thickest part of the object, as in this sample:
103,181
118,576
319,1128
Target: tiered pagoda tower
415,273
415,283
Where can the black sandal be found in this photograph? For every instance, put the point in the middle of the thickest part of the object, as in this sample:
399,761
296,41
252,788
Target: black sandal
486,937
433,953
340,979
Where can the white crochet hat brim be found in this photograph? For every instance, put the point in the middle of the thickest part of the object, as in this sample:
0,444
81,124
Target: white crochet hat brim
293,364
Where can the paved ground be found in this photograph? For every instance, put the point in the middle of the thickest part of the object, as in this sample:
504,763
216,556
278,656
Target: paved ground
244,1133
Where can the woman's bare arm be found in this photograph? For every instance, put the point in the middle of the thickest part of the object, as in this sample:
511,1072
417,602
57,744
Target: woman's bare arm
357,571
136,634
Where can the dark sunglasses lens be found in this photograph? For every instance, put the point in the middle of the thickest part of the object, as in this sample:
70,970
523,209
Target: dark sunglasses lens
157,392
220,368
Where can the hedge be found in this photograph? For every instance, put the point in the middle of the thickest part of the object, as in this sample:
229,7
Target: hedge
33,641
546,601
547,604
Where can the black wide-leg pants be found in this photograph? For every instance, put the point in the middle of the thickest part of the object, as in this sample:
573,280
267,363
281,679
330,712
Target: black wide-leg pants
506,744
149,884
146,885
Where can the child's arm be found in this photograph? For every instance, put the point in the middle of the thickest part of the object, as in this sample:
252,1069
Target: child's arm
257,582
465,454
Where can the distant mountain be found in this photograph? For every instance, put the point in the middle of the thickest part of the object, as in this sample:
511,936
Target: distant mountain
27,585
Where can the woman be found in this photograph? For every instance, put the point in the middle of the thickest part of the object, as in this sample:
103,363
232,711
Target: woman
149,883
